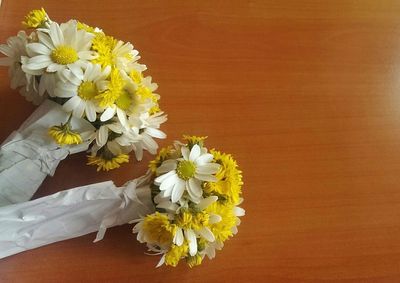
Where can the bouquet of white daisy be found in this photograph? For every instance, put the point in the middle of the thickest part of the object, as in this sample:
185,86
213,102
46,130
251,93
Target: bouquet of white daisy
94,95
184,208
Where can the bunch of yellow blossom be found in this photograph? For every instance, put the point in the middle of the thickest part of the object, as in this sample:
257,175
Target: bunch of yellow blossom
93,76
196,193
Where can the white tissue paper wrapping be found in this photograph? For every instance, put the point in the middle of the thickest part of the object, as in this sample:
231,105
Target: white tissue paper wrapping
72,213
29,154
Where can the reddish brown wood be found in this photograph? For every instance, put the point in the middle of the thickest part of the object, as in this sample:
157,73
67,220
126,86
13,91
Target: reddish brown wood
305,94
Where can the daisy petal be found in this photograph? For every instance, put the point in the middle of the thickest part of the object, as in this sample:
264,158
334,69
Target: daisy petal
71,104
90,111
206,233
168,183
204,203
107,114
185,152
207,178
209,168
178,190
161,178
166,166
178,238
194,153
102,136
205,158
37,48
194,187
191,238
38,62
56,34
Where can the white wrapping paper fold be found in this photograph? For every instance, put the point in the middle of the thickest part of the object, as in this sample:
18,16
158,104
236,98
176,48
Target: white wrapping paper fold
29,154
72,213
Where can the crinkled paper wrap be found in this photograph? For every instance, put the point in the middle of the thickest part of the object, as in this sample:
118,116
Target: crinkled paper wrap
29,154
72,213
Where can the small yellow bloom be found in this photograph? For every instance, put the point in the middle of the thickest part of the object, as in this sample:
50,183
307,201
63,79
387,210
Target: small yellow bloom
194,260
174,255
64,135
145,94
192,140
136,76
229,179
163,154
85,27
35,18
158,229
114,90
107,163
222,230
188,219
104,46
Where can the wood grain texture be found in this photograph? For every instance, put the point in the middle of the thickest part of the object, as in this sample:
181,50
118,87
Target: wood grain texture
305,94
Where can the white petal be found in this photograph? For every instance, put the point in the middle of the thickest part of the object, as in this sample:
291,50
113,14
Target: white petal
214,218
204,203
194,188
78,111
185,152
207,178
76,70
169,206
37,48
205,158
54,67
178,190
107,114
90,111
38,62
209,168
161,178
168,183
121,116
206,233
178,238
87,55
71,104
45,39
191,238
239,211
166,166
161,262
194,153
156,133
102,136
56,34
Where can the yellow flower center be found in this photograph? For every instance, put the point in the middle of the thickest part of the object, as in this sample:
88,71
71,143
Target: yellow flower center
186,169
64,55
124,100
87,90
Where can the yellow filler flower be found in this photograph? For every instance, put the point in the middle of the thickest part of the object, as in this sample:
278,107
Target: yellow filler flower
35,18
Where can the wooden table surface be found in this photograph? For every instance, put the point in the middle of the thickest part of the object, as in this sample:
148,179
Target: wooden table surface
305,94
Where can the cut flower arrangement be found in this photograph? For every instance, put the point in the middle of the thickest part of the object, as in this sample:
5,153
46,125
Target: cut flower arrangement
92,92
93,76
185,208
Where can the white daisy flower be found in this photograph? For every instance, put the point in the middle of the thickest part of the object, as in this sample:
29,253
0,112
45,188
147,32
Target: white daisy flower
103,132
187,173
61,47
15,49
191,235
147,126
82,92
